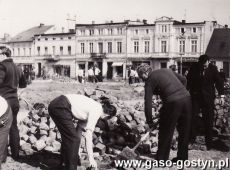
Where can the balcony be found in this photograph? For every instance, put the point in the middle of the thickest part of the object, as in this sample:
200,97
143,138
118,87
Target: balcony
98,55
51,57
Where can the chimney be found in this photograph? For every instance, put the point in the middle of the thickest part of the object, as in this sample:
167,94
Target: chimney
71,30
145,21
62,29
41,24
111,21
183,21
93,22
226,26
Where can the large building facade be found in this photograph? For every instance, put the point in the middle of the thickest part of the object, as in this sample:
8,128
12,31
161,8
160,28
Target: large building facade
114,47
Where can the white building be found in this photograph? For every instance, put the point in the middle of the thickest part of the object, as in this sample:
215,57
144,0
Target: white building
23,47
112,46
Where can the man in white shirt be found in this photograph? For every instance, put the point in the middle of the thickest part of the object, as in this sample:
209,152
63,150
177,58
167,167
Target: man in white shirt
87,111
91,75
80,75
97,75
6,119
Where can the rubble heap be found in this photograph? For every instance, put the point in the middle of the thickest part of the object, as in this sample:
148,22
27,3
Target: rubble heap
38,132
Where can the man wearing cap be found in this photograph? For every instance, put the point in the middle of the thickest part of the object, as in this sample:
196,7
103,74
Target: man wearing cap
5,123
203,78
176,109
11,77
87,111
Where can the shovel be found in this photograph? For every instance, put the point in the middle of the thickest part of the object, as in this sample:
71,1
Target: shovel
128,154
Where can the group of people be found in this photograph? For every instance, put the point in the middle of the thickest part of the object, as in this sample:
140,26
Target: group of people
133,76
94,74
183,100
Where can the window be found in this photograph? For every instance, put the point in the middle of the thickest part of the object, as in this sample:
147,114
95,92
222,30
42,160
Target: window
136,46
91,32
54,49
91,47
119,47
194,46
24,51
100,31
18,51
147,31
82,48
46,50
30,52
100,47
61,38
136,32
146,46
163,46
46,39
69,50
164,28
39,39
119,31
110,31
13,52
194,29
69,38
39,50
82,32
61,50
182,30
109,47
182,46
54,38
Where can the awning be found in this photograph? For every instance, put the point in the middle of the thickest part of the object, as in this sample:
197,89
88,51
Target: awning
117,64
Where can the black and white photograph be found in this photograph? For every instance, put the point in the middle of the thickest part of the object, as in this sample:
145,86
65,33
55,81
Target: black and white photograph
114,84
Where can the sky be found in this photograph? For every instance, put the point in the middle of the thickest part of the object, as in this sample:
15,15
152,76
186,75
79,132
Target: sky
19,15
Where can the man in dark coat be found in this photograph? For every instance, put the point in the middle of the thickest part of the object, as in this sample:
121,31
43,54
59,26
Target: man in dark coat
11,77
203,78
176,109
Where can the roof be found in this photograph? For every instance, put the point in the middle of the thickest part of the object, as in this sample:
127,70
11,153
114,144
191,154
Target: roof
219,44
56,34
187,23
29,34
92,25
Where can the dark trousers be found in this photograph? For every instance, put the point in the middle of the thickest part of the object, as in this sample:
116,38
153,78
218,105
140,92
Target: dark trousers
205,105
80,79
14,132
60,111
4,132
172,114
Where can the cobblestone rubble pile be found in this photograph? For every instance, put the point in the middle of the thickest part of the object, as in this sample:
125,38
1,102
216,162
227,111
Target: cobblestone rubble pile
38,132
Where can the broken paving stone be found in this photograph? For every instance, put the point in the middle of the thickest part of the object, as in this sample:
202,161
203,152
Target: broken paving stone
101,148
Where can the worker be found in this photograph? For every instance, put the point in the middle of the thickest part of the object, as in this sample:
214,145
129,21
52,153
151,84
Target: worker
176,109
66,107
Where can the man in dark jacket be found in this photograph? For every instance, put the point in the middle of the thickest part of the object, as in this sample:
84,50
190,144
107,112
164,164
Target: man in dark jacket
10,78
203,78
176,109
